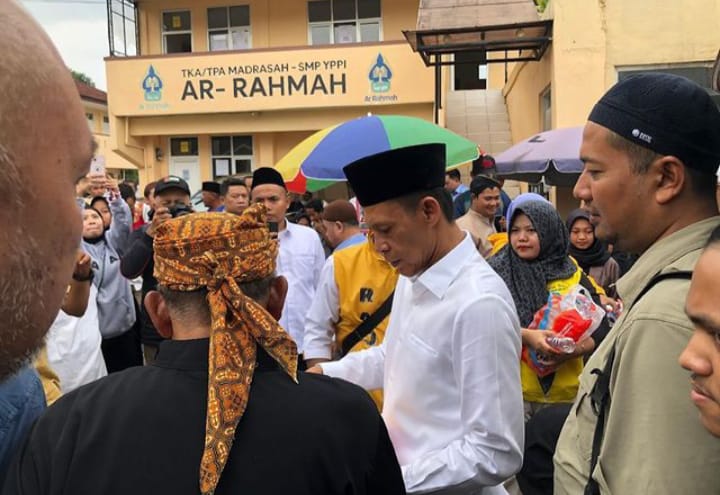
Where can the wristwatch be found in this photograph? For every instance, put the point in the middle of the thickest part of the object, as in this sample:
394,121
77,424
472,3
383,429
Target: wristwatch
89,278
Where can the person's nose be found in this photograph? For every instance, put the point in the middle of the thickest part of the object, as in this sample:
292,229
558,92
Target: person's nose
693,360
582,187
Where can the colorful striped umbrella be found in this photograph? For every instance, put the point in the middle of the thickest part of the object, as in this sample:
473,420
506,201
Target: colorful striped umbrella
317,162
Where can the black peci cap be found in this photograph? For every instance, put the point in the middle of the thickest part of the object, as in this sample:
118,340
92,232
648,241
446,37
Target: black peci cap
665,113
396,173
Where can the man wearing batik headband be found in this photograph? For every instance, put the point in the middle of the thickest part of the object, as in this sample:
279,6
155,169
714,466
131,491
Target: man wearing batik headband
222,409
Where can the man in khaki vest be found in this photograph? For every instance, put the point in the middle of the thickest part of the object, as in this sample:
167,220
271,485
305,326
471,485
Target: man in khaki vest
651,149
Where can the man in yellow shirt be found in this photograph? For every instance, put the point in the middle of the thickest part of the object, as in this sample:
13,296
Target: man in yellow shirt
355,284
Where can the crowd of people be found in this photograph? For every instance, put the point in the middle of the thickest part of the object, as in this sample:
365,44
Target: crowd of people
398,342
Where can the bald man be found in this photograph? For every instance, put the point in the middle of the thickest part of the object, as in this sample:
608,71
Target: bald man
45,147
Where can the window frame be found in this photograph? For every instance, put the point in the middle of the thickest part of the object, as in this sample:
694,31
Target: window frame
229,29
164,33
90,118
106,124
232,156
357,20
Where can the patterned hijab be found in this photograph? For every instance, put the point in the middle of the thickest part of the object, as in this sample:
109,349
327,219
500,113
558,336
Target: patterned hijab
219,251
527,280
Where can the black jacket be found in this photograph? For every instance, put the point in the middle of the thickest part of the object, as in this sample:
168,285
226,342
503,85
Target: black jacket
142,431
138,262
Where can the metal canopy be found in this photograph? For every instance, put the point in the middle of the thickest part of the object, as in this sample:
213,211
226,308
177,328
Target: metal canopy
518,42
484,31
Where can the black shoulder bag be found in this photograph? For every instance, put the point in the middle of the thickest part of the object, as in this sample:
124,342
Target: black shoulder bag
368,325
600,394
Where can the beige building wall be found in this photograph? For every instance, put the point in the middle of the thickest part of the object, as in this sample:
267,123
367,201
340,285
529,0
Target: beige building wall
592,41
276,25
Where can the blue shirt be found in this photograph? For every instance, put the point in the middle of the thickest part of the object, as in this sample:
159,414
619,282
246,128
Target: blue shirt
22,400
351,241
459,190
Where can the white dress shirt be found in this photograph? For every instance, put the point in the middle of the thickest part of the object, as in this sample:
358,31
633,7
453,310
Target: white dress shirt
73,347
300,261
324,313
449,367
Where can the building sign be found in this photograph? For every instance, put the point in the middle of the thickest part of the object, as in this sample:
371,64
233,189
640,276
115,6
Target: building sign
386,73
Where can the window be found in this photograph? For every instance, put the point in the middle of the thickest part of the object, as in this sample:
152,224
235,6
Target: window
343,21
700,73
91,121
177,31
231,155
546,109
106,125
229,28
186,146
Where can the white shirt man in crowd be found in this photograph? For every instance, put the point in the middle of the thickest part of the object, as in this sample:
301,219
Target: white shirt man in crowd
235,194
449,365
301,256
480,218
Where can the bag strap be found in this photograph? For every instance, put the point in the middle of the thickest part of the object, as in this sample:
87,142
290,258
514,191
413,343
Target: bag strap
600,394
367,325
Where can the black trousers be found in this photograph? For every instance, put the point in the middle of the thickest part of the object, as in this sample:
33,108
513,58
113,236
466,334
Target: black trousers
122,351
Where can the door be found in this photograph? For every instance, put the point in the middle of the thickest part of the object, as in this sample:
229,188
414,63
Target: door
470,71
187,168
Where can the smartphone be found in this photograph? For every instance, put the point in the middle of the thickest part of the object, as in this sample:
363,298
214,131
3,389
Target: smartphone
97,166
274,228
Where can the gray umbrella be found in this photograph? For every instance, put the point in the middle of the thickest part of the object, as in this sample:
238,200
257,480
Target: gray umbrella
554,155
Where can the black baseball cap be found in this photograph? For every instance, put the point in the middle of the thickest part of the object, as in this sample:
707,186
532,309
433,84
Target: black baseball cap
171,182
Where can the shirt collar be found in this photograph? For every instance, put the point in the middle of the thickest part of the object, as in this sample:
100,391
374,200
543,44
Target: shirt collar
192,355
662,255
438,277
477,215
351,241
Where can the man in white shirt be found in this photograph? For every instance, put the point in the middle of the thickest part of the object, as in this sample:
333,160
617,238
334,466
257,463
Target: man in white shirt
449,364
480,218
301,256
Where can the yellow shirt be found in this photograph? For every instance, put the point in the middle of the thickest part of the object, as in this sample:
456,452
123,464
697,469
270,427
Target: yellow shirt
364,281
565,383
49,379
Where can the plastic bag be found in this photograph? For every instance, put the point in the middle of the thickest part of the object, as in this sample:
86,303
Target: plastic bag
573,317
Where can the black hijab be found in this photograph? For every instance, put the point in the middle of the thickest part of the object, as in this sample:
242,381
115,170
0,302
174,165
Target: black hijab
101,237
527,280
595,255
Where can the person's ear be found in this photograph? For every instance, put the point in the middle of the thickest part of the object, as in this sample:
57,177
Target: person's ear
157,311
276,298
670,175
430,210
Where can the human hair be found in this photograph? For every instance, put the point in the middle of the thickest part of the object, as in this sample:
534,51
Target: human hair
453,174
410,201
98,199
315,204
148,189
231,181
126,191
480,184
193,305
641,158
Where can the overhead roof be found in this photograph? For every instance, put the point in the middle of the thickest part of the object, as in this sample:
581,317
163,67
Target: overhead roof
510,29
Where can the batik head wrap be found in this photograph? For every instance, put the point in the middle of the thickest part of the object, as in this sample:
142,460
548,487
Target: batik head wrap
527,280
219,251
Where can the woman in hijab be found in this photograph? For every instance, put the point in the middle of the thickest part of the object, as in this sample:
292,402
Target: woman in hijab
590,253
115,302
533,264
